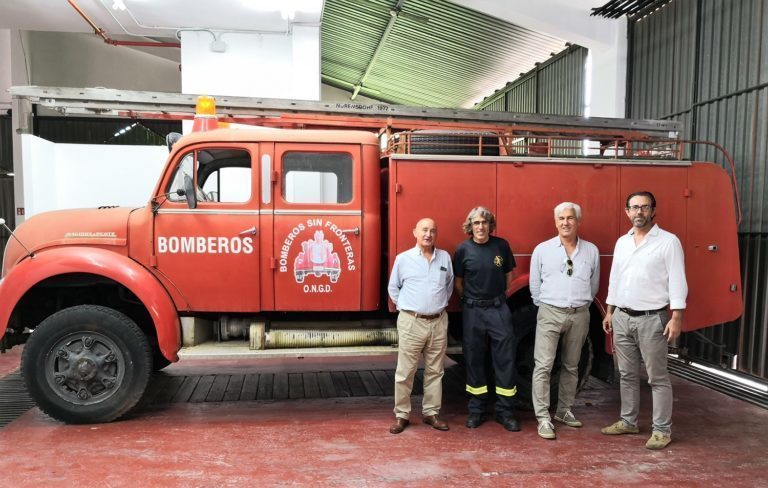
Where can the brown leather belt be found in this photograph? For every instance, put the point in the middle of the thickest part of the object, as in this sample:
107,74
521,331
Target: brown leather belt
423,316
640,313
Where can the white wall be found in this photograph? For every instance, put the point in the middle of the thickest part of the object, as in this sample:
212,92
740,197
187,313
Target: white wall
59,176
40,181
267,65
84,60
5,68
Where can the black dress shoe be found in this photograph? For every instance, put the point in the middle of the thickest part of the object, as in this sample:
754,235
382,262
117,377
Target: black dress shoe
509,423
474,420
399,425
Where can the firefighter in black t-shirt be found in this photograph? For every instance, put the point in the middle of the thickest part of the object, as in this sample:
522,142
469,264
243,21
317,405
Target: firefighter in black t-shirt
483,268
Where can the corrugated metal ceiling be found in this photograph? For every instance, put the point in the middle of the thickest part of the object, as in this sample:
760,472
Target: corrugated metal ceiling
434,53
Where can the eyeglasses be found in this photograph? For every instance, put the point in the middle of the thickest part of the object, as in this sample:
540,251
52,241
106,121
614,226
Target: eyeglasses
478,223
637,208
569,267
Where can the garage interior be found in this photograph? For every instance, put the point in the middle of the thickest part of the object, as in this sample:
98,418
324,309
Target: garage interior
323,421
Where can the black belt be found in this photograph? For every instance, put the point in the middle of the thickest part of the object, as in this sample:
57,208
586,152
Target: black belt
496,302
640,313
423,316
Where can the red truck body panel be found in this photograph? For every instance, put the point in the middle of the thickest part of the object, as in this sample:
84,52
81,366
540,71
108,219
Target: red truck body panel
694,201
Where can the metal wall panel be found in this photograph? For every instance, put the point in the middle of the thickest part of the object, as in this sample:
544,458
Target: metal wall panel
662,61
553,87
705,62
6,144
6,183
561,84
497,104
521,97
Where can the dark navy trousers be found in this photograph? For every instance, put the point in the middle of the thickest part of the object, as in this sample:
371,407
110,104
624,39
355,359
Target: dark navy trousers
489,329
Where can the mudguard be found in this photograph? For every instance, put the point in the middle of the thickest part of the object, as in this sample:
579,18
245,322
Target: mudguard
80,259
518,283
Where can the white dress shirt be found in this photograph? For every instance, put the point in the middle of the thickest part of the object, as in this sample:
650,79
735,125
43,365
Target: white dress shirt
649,276
549,281
419,285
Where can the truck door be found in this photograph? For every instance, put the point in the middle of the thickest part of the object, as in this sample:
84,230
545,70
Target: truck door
210,253
317,227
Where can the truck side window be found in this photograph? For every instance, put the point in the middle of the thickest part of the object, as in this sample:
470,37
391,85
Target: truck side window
177,183
223,175
315,177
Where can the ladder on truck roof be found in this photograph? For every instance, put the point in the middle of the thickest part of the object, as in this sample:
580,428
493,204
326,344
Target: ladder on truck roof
382,117
540,136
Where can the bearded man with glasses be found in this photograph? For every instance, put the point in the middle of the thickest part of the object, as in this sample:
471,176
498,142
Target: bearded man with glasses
564,278
647,277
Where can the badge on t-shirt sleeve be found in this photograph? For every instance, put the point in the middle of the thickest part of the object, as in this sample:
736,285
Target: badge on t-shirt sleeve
498,261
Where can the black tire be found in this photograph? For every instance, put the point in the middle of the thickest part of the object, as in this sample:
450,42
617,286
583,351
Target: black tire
112,357
524,319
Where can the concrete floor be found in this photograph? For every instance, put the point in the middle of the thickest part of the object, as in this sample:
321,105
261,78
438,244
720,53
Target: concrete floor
718,441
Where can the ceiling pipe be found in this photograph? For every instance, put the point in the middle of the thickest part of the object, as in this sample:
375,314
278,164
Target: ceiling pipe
394,13
100,32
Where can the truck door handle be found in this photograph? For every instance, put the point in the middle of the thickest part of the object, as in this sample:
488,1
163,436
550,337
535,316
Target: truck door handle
355,231
252,231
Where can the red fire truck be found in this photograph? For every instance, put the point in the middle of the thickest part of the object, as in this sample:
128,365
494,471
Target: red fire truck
278,242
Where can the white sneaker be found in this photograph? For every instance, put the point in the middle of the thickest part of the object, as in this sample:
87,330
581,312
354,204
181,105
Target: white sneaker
547,430
568,419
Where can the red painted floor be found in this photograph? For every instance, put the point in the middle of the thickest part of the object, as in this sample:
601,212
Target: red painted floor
718,441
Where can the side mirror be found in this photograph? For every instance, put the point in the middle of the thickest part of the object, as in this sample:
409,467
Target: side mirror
189,192
171,139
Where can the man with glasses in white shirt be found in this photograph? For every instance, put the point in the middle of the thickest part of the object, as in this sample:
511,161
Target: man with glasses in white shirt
564,278
647,277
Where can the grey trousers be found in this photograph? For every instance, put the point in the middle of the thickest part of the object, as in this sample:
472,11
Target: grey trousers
633,338
551,323
417,337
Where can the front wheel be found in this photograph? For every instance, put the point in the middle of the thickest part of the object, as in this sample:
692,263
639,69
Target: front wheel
86,364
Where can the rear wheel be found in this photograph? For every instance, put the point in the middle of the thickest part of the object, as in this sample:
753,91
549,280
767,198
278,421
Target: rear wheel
86,364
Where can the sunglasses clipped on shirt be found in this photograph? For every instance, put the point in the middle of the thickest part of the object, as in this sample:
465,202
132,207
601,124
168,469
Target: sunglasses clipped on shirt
568,268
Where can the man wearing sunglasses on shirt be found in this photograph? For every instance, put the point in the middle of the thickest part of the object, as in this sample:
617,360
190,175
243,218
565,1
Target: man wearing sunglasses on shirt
647,277
564,278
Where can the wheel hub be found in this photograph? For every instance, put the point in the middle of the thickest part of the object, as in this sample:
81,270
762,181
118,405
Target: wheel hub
86,368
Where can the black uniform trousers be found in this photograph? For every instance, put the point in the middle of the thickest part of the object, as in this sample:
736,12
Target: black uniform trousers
484,326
